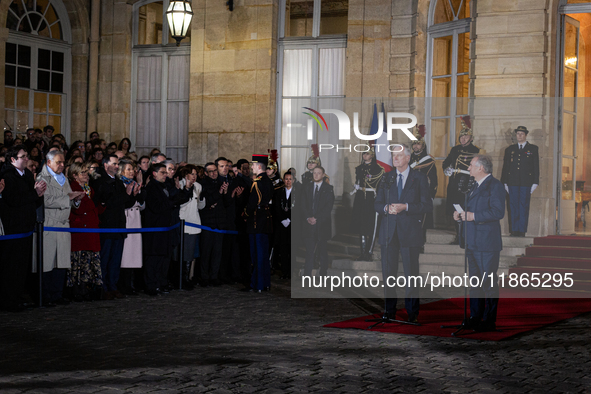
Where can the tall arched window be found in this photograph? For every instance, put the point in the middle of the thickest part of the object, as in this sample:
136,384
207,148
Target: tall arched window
448,68
311,73
38,66
160,83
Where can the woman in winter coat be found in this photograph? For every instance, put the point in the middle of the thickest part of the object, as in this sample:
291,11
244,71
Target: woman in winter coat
190,213
85,275
131,261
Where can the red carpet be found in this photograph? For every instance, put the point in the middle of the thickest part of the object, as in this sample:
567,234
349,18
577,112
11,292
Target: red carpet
516,315
558,254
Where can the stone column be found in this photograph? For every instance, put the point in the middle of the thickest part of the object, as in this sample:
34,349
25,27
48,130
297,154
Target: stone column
114,86
511,49
3,37
91,121
233,77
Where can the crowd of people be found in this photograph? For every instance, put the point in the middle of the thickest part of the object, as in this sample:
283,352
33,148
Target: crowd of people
238,215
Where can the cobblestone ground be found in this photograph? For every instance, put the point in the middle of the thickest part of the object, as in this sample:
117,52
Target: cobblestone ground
225,341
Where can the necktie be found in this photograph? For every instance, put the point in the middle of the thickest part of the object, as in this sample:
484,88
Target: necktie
520,147
315,199
399,186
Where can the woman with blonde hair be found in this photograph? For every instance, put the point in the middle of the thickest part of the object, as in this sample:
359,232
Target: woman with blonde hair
132,248
85,274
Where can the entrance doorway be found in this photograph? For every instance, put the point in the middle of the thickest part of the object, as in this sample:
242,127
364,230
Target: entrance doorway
574,164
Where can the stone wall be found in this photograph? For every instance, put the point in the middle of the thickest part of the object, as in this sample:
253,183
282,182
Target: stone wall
114,79
233,78
511,52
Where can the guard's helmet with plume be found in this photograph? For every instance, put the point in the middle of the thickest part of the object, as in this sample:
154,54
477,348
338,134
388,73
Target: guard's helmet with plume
273,156
419,133
315,158
466,126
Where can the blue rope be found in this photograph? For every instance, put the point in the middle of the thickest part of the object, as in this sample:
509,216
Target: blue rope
116,230
15,236
210,229
111,230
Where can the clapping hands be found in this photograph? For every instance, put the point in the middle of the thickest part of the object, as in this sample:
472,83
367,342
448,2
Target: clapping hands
40,187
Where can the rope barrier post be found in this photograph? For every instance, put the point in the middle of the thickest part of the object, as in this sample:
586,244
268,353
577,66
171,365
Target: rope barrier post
182,254
40,260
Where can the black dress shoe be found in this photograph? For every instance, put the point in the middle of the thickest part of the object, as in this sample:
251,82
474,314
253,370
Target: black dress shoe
203,283
389,315
163,290
472,323
486,327
78,298
48,304
151,292
413,319
61,301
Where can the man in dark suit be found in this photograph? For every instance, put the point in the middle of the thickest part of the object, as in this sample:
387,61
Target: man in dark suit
214,215
317,203
20,197
521,176
242,182
112,194
404,199
282,199
485,209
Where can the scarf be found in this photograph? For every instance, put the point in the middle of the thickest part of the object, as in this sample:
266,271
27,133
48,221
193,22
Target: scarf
86,189
126,180
59,178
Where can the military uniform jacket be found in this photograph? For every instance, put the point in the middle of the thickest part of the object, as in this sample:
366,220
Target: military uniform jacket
427,167
257,212
459,158
521,168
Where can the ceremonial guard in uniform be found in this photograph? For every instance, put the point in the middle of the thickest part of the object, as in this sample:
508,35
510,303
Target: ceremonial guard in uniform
455,166
313,162
258,224
273,171
421,161
364,219
521,176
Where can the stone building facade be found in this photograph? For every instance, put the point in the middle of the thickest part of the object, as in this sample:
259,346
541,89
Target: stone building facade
223,91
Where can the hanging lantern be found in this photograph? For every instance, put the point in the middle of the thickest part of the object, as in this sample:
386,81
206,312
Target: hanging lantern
179,15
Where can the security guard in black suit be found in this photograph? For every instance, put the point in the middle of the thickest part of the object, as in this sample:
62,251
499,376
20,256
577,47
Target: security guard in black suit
455,166
521,176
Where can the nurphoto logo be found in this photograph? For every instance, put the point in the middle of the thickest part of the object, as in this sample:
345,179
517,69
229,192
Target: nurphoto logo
345,128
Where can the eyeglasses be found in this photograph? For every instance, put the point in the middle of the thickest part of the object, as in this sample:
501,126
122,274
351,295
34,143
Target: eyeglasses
23,157
84,172
162,172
